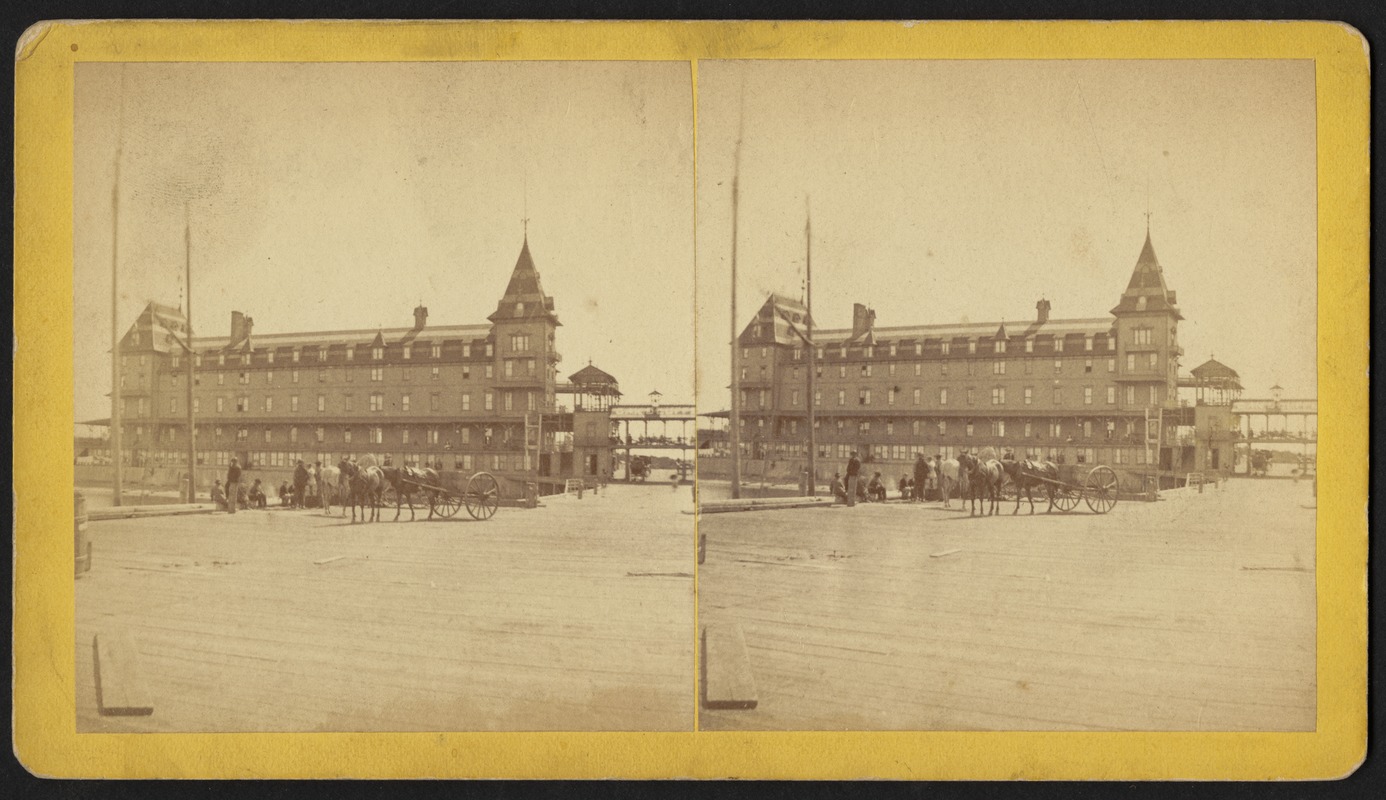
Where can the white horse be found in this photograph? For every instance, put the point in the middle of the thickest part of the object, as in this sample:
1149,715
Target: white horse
333,484
949,476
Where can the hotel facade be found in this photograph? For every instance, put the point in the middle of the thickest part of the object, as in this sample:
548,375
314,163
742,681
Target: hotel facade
473,397
1090,390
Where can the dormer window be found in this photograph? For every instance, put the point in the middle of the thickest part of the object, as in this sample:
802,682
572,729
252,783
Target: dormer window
377,353
520,309
1140,303
1000,345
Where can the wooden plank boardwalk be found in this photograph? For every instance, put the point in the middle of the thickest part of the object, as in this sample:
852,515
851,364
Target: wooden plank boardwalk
1196,613
574,616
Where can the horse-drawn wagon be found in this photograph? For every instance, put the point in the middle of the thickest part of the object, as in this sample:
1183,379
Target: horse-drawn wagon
1067,486
481,496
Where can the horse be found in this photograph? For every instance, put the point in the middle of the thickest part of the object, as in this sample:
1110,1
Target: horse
366,485
405,481
985,478
1026,476
950,475
332,485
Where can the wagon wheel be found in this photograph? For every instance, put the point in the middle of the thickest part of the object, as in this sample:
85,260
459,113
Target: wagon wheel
1066,497
387,495
1010,490
482,496
1100,490
444,504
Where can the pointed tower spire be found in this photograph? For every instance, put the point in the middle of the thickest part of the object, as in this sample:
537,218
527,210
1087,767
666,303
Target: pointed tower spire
524,294
1146,290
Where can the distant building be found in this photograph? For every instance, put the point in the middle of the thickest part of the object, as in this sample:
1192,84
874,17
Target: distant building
469,397
1078,390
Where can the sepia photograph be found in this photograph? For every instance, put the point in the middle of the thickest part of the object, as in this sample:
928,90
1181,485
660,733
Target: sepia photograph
1008,390
383,396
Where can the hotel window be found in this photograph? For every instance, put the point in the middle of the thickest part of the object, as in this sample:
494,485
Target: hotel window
436,350
943,397
1154,395
891,370
917,396
172,405
866,370
346,435
490,402
1111,395
377,401
243,377
350,352
269,376
508,397
863,397
221,360
793,427
817,397
269,436
404,436
295,355
432,435
319,433
406,374
798,353
1056,430
404,402
869,351
1029,394
322,353
269,403
999,345
998,396
971,395
1130,395
490,371
1028,429
293,376
490,349
1058,365
433,401
377,353
1130,362
293,402
1029,345
176,362
293,433
969,427
890,430
1087,429
466,372
794,397
408,351
377,373
918,370
943,368
945,347
998,368
1058,395
943,427
998,427
890,397
221,380
743,373
1141,335
971,346
1087,343
220,408
841,397
377,435
841,371
322,374
322,402
1154,361
764,352
864,427
1087,366
433,374
349,402
919,348
466,401
1087,395
1111,365
893,349
1058,344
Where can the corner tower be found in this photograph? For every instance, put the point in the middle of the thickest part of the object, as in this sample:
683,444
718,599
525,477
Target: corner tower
523,328
1147,324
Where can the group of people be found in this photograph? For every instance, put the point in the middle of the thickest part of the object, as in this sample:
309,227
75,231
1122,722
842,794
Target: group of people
305,492
922,485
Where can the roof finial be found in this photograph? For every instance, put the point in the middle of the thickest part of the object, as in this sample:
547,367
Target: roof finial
1147,223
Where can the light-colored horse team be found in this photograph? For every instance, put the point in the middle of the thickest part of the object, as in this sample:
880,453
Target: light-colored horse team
362,486
981,476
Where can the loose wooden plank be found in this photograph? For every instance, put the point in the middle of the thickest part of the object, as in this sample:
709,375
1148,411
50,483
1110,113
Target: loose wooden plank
946,553
727,678
120,691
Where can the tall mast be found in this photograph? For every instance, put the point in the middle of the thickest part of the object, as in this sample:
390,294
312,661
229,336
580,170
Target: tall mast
735,349
117,482
188,353
812,351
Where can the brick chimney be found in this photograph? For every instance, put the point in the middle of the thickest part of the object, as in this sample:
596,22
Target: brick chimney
863,320
420,317
240,327
1043,308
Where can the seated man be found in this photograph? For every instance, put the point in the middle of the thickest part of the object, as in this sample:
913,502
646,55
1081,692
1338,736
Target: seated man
838,489
904,487
876,488
219,495
257,495
286,495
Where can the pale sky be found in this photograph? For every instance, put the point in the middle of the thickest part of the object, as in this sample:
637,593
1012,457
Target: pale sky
332,196
944,190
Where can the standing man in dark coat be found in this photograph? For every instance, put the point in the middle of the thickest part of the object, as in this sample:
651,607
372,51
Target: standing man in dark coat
921,476
853,474
233,485
300,483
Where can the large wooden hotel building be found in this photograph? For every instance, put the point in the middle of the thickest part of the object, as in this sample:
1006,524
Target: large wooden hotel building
1090,390
464,397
